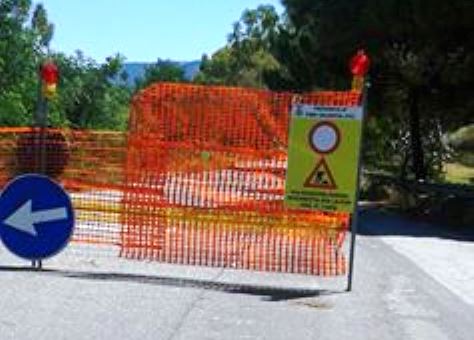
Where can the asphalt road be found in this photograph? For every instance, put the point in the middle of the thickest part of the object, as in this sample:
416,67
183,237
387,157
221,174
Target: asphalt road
411,282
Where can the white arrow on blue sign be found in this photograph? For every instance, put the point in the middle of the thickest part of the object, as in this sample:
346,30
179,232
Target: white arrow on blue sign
36,217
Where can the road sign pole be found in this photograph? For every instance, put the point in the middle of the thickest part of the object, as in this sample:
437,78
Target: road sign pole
41,122
43,125
355,215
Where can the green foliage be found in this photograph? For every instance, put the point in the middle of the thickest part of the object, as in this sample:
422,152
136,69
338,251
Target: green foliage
162,71
41,26
216,70
462,139
17,62
411,43
87,95
462,143
246,59
422,66
13,111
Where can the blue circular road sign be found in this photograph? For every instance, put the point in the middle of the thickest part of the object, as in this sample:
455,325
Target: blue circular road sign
36,217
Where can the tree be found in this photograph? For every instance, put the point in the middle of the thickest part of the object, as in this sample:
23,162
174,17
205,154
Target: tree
44,30
20,42
422,53
164,71
89,97
217,70
246,58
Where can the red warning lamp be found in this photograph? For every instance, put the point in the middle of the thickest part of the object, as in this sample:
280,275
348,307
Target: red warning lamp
359,64
49,76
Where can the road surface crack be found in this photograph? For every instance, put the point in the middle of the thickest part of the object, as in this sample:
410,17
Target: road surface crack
176,330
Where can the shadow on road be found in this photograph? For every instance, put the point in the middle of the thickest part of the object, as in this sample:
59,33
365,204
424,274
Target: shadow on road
374,222
268,293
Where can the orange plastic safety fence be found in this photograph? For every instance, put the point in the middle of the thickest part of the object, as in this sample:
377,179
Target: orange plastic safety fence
90,166
198,180
205,178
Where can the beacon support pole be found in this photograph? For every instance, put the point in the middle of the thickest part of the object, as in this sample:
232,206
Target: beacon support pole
355,215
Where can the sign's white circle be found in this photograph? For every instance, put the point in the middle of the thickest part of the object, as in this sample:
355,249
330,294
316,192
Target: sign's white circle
324,138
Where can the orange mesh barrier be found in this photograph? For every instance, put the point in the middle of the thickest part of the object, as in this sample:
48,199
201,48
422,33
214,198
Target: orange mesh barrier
198,180
205,177
89,165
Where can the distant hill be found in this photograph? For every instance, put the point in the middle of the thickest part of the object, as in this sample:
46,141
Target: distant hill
136,70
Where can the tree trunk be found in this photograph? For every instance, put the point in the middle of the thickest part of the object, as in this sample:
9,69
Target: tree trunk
415,133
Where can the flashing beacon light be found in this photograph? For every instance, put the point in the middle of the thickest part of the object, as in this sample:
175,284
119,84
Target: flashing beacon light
359,66
49,76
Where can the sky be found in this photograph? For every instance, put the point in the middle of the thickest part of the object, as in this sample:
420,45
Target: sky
145,30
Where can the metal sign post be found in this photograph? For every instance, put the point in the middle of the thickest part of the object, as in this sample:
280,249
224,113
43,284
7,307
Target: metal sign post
40,122
355,214
47,75
43,122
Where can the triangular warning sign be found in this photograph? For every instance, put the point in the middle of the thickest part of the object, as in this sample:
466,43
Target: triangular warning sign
321,177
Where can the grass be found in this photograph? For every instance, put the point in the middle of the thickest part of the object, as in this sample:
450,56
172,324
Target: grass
459,174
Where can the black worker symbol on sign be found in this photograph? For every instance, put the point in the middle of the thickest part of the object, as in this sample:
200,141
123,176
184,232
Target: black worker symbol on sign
324,138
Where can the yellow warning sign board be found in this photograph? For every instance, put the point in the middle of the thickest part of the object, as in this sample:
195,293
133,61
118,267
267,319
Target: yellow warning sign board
323,156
